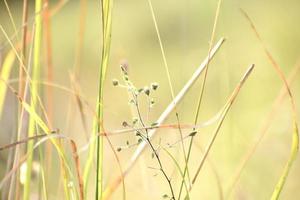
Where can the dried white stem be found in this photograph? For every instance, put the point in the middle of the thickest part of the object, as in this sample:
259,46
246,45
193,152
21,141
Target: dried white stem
173,104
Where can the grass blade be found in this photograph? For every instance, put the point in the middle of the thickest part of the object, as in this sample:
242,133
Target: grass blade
4,74
43,138
34,93
169,78
263,130
295,135
212,38
180,171
223,115
106,6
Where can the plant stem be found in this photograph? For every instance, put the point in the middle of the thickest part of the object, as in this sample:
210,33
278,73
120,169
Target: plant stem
161,168
34,93
106,6
147,138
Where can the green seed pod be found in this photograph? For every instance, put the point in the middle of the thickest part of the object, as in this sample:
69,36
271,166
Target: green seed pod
154,86
115,82
147,90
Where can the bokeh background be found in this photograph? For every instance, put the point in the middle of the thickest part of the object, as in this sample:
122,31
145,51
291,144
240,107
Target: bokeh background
185,27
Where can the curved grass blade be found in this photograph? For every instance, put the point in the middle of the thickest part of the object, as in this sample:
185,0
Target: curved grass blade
44,138
180,171
5,73
32,113
262,131
295,135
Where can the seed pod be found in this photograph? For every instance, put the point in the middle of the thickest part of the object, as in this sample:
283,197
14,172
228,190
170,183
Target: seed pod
115,82
147,91
154,86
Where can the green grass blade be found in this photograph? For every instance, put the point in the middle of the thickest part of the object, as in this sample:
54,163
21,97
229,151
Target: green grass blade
212,38
293,155
267,122
106,6
295,134
34,93
180,171
5,73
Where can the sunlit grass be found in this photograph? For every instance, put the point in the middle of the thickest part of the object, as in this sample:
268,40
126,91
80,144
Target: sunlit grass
97,142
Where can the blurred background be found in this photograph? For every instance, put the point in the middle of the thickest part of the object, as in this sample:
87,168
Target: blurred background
185,27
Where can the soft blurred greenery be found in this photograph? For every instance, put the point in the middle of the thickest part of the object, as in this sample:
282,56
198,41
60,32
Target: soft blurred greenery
185,27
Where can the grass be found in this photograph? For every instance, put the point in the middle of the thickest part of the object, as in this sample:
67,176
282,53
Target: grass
97,127
34,94
295,130
93,156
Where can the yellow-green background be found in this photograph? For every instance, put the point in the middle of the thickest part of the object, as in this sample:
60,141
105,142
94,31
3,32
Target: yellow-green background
185,27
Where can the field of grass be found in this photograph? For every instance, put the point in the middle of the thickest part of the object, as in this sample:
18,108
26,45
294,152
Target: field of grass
149,99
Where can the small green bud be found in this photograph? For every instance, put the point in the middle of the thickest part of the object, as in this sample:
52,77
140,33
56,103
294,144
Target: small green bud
192,134
154,86
131,101
154,124
115,82
152,102
140,140
135,120
137,133
147,90
125,124
126,78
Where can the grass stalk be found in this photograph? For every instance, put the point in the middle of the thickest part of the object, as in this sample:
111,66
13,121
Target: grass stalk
169,78
23,47
106,6
263,130
223,115
34,93
5,74
80,42
295,134
33,113
49,90
48,42
14,184
179,169
201,93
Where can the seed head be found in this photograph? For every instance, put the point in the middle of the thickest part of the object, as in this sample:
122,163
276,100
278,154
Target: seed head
154,86
147,90
115,82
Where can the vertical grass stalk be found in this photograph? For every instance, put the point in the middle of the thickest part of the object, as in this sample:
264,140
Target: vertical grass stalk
201,93
34,93
106,6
